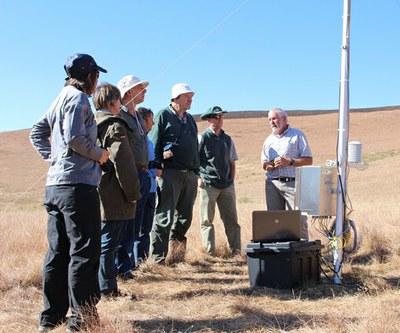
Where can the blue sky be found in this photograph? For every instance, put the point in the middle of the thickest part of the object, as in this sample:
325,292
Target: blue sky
238,54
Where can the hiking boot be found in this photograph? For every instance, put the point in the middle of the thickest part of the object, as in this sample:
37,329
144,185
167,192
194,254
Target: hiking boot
127,276
50,326
113,294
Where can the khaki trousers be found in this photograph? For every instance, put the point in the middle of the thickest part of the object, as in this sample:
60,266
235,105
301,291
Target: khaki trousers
225,199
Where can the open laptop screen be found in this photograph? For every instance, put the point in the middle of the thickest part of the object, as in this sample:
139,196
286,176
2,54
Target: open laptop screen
276,225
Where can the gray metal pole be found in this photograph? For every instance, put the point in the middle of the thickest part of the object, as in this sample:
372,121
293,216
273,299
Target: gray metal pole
343,139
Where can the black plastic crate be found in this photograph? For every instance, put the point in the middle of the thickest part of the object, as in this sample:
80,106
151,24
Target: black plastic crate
284,265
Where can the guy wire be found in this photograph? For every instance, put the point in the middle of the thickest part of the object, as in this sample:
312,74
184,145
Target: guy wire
22,194
195,44
156,78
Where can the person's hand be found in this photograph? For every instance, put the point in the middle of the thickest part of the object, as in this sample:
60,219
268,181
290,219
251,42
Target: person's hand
104,156
269,165
281,162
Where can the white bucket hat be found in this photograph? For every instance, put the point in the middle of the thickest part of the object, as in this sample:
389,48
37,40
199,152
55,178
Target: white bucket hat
179,89
128,82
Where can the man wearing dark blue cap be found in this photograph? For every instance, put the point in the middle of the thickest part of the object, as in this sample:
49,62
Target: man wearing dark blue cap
217,174
79,65
66,136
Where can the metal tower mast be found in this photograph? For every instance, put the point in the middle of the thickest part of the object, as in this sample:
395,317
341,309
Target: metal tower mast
343,138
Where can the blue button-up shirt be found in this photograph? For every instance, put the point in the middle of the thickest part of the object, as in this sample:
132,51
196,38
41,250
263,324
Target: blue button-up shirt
291,144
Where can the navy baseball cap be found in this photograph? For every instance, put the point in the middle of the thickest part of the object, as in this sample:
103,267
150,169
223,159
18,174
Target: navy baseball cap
79,65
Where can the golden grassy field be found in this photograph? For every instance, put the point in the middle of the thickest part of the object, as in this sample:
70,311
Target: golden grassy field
207,294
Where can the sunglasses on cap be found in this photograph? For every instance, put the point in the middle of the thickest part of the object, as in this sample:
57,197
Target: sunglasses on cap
215,116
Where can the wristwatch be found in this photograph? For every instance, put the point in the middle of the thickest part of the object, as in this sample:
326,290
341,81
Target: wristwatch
291,161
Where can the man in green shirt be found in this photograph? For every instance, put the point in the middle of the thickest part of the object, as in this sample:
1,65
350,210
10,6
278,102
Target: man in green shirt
174,136
217,174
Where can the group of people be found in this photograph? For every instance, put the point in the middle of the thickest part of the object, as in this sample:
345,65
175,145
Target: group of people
122,184
121,187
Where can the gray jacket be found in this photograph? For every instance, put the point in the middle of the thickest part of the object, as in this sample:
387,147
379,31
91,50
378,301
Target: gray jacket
66,137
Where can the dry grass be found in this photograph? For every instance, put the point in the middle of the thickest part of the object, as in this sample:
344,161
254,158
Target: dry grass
207,294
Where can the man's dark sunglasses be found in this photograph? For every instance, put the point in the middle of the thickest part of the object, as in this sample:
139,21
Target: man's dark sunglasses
216,116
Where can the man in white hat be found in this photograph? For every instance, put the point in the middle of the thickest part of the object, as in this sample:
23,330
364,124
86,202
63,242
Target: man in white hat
174,136
133,92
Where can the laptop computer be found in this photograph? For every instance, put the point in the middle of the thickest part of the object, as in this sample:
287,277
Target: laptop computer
276,226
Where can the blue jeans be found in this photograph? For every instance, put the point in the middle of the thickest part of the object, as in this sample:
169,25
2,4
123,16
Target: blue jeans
126,256
111,232
141,226
71,263
125,259
142,241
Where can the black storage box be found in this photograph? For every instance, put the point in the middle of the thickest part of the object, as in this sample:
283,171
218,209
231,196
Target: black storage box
284,265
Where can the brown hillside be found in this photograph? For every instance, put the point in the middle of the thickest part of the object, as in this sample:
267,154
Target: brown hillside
212,294
22,172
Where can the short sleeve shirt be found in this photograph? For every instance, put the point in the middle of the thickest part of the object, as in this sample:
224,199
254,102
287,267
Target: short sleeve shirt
291,144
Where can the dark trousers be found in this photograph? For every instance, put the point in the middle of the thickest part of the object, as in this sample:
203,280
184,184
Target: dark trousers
125,259
174,213
72,260
141,225
110,240
126,256
142,240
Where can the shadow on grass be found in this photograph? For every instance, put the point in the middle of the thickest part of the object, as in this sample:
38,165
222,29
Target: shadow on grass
249,319
381,255
393,281
228,278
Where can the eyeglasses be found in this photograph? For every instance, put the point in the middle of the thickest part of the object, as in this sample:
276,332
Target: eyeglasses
217,116
97,74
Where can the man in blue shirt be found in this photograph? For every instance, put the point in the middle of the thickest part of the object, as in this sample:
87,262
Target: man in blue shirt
284,149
